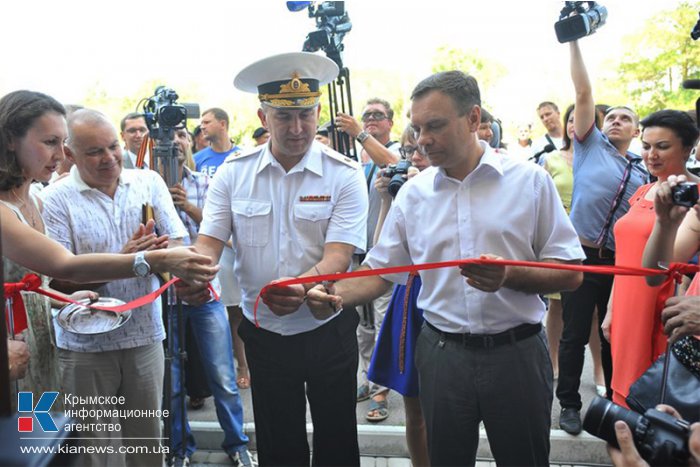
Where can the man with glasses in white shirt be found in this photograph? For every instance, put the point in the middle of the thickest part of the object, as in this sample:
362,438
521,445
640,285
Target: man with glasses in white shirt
481,354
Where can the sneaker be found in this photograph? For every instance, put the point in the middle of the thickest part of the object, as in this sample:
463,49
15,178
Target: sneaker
178,461
243,458
570,421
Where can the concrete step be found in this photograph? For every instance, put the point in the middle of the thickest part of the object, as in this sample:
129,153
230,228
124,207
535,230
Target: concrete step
389,441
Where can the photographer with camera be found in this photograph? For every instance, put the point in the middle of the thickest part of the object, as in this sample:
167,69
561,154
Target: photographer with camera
377,151
481,354
606,175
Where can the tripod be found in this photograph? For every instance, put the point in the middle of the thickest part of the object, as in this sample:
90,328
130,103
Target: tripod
166,163
340,100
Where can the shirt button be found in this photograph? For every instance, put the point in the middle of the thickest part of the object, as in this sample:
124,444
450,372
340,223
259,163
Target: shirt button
250,210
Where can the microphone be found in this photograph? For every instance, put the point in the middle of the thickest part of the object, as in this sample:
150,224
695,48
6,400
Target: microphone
691,84
549,148
297,6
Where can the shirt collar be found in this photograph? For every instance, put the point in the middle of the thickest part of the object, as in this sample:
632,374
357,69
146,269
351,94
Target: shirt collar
313,164
490,161
125,178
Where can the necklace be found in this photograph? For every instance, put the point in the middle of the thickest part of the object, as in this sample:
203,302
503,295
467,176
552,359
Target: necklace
29,209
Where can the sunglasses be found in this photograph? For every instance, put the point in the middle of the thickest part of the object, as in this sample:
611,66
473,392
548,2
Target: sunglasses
376,116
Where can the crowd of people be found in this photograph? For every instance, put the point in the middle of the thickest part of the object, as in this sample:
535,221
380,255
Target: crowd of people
479,343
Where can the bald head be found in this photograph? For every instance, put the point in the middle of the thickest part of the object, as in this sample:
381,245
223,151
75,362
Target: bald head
83,119
94,148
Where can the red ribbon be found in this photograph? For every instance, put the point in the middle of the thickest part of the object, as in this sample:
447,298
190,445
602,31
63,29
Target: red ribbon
32,283
674,273
29,283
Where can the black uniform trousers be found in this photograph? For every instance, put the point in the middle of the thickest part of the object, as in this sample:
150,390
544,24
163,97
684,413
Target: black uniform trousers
320,364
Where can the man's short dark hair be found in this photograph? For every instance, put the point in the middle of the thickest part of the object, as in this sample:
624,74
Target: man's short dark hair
679,122
219,114
461,87
548,104
259,132
486,117
130,116
382,102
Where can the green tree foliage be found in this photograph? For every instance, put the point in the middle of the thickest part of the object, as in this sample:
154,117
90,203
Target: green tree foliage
486,71
658,58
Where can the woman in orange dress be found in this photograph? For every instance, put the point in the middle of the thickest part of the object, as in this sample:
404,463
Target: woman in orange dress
635,329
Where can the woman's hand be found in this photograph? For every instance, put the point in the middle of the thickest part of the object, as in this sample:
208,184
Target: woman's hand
185,263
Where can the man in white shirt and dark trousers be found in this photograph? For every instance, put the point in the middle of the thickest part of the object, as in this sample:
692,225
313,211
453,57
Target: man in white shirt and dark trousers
482,354
293,207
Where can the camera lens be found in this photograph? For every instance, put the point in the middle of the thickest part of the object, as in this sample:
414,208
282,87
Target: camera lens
395,184
601,417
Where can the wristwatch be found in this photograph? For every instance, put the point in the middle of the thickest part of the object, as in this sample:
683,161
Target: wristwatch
141,266
362,136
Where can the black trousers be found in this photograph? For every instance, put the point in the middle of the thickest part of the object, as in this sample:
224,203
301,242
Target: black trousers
508,387
320,365
578,307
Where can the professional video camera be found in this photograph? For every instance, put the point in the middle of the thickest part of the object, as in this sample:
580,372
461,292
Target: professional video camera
332,23
660,438
685,194
163,116
396,173
588,18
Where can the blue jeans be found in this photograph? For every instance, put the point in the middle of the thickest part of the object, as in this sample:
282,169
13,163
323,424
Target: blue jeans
213,337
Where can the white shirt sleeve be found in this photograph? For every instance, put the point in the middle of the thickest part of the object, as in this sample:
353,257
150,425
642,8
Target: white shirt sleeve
217,220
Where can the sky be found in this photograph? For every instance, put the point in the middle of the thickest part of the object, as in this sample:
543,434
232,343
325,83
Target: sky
65,47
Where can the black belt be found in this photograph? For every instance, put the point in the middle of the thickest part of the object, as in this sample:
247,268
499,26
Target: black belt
602,253
486,341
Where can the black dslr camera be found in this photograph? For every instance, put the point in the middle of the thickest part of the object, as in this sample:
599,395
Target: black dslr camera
685,194
396,172
588,18
660,438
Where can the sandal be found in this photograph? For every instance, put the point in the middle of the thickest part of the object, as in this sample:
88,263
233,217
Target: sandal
378,411
363,393
243,382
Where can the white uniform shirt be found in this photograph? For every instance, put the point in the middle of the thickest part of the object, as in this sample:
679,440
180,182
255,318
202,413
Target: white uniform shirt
85,220
279,222
504,207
